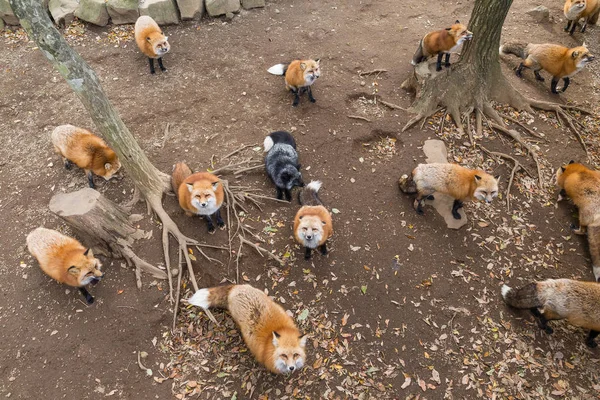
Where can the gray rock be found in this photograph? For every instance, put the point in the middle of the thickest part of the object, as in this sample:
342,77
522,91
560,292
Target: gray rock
229,15
191,9
248,4
63,11
222,7
123,11
540,13
93,11
7,14
164,12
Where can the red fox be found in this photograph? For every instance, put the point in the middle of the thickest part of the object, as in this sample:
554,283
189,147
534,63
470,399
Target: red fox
442,42
65,259
199,194
86,150
299,77
559,61
461,183
554,299
582,185
577,9
312,225
269,332
151,41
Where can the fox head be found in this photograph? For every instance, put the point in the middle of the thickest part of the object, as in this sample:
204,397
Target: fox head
567,169
289,354
159,43
202,194
581,56
577,6
310,230
486,187
84,268
311,70
459,32
107,165
290,177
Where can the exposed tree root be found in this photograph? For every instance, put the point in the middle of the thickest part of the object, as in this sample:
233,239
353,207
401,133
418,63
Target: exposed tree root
245,165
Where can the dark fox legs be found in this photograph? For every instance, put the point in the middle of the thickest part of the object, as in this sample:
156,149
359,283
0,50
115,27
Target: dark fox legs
209,221
590,339
151,62
554,83
88,297
457,204
160,64
541,320
281,192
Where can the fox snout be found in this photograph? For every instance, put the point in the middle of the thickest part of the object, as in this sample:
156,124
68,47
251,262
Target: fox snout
309,237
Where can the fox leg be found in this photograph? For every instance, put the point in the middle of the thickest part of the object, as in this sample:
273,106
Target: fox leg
541,320
590,339
88,297
90,177
566,81
296,97
160,64
538,76
68,164
151,62
288,195
447,60
323,249
457,204
573,26
220,222
211,226
553,85
569,22
307,253
585,21
438,64
418,205
279,194
310,96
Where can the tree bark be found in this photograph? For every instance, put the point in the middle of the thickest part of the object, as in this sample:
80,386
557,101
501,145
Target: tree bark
84,82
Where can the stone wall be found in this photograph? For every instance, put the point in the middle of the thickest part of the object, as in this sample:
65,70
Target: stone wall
103,12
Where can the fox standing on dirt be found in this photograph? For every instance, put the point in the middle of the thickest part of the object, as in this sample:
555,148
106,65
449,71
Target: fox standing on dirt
442,42
199,193
65,259
86,150
577,9
269,332
559,61
555,299
282,164
312,225
299,77
461,183
151,41
582,185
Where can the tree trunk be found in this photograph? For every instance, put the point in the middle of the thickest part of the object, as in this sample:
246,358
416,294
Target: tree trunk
84,82
103,225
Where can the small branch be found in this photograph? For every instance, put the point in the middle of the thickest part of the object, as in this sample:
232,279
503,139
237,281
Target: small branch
236,167
522,125
389,105
442,121
516,166
142,367
166,135
375,71
358,117
478,122
260,250
243,147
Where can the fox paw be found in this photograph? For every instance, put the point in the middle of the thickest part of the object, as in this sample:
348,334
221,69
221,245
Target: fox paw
456,215
591,344
549,330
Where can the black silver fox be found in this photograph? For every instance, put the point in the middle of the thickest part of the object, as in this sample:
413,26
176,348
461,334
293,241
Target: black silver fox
281,163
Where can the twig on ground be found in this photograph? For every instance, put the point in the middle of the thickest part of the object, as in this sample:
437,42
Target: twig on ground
522,125
359,117
236,167
166,135
375,71
243,147
517,165
389,105
260,250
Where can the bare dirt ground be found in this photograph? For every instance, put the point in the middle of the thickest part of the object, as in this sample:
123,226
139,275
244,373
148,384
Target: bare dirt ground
402,307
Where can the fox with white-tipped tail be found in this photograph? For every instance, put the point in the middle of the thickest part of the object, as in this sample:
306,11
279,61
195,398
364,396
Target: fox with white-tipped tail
269,332
312,225
554,299
299,77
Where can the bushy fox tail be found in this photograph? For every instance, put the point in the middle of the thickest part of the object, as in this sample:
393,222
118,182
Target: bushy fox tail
278,69
211,297
407,184
180,172
525,297
515,48
309,195
418,57
593,234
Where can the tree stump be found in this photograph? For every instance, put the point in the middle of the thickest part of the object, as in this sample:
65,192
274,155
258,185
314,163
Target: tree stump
104,226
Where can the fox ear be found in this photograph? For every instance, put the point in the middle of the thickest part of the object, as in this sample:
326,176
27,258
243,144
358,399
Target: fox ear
107,165
276,337
477,178
73,270
302,66
215,185
497,178
457,22
572,162
89,252
318,60
303,340
448,29
563,169
190,187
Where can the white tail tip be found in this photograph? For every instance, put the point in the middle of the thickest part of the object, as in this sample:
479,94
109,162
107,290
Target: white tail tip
277,69
314,186
500,50
200,299
505,289
412,62
268,143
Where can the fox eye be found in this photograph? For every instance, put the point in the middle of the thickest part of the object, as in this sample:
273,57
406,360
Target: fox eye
284,356
304,229
296,355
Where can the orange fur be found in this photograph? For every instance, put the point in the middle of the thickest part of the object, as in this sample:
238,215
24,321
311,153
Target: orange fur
582,185
202,184
558,61
315,215
444,40
85,150
578,9
299,71
149,38
62,258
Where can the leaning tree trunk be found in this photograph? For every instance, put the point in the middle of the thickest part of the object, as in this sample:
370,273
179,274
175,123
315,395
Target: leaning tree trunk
149,181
